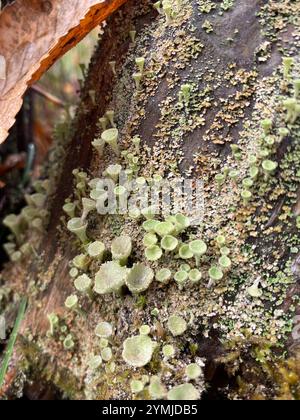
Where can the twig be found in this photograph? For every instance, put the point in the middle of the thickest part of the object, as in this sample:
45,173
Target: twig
49,96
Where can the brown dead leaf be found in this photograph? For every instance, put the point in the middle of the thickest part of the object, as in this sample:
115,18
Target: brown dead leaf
33,35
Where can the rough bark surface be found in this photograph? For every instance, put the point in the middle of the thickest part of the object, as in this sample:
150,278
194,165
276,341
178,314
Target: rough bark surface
236,78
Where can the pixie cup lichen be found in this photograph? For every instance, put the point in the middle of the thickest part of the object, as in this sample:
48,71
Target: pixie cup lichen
110,137
195,275
138,350
168,351
183,392
88,206
176,325
78,227
198,248
181,278
215,274
96,250
169,243
164,275
99,144
185,252
110,278
69,209
121,249
104,330
153,253
139,278
157,390
83,284
113,171
136,386
164,229
193,371
150,239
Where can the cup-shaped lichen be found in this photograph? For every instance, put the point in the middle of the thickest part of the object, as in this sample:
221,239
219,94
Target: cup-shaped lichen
78,227
169,243
220,179
121,248
137,77
157,390
110,137
136,386
164,229
88,205
144,330
13,222
221,240
9,248
139,278
83,283
104,330
149,212
181,278
29,213
153,253
185,252
182,222
164,275
150,225
36,200
81,261
71,302
246,196
195,275
224,262
253,172
113,171
98,145
288,63
106,354
140,62
177,325
225,251
53,321
95,362
193,371
247,183
168,351
110,278
150,239
267,125
269,167
183,392
69,209
215,274
110,115
138,350
254,291
96,250
234,174
198,249
69,342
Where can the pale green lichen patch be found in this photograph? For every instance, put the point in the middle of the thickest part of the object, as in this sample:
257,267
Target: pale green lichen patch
222,284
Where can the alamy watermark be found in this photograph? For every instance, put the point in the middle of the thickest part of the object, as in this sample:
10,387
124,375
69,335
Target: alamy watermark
153,198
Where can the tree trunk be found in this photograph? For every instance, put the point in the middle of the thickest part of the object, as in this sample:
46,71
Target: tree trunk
232,62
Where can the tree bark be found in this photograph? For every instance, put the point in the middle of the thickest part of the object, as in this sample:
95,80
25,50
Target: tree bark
236,79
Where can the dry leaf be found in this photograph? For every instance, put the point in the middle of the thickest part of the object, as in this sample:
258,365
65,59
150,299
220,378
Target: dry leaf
33,35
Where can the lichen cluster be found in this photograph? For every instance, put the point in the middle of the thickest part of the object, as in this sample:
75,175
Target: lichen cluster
161,298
